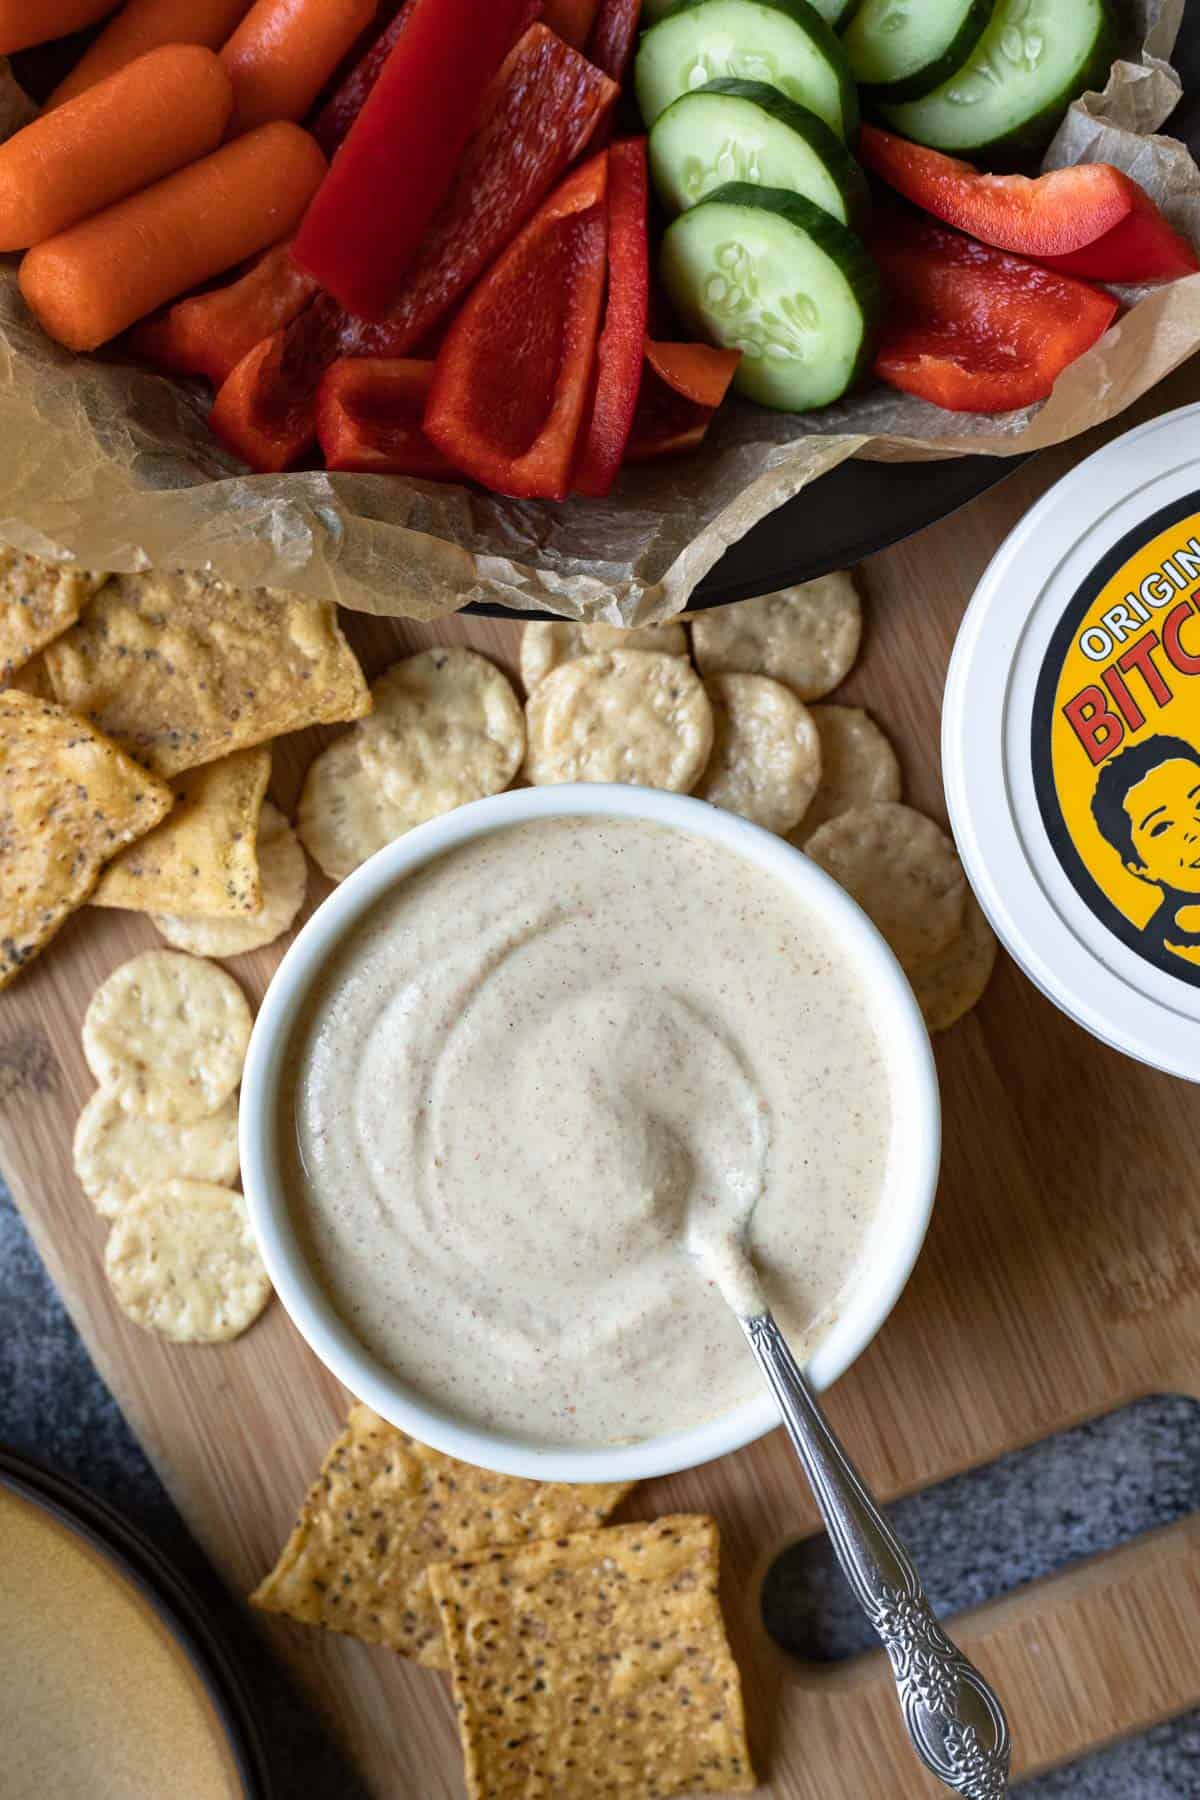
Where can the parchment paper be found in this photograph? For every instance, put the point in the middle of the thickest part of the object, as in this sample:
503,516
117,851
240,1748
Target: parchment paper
103,461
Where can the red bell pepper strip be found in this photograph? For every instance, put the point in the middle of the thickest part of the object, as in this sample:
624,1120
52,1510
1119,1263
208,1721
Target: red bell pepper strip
1141,249
369,415
265,410
332,123
620,353
370,213
700,372
611,43
513,377
571,20
666,423
334,119
975,329
209,334
540,112
1089,219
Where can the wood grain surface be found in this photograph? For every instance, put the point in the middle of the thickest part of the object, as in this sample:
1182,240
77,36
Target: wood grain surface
1061,1278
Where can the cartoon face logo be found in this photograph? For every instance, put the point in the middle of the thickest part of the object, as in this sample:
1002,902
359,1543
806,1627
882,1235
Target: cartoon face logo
1147,806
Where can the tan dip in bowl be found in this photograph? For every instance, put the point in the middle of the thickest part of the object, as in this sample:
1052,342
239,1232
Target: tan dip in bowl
511,1061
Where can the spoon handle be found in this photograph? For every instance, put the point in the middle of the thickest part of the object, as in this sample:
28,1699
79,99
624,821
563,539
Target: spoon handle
954,1719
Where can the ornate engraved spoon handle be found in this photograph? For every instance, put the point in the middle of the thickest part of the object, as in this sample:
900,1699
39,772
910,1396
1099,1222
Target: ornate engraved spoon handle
955,1721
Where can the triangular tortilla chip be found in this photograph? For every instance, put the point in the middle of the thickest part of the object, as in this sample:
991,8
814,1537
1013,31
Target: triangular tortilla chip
38,601
181,668
203,859
69,800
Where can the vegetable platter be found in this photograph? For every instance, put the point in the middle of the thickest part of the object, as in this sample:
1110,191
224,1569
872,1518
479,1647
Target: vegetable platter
608,277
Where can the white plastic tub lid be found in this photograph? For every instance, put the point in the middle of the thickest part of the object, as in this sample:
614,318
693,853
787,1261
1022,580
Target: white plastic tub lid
1071,743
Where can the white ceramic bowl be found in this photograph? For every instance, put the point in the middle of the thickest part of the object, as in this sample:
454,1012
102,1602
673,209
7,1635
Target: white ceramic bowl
892,1249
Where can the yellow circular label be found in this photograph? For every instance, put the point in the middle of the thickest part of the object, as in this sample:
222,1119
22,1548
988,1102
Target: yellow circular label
1116,740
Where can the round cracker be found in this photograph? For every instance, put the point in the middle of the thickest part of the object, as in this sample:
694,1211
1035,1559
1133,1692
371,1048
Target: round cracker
904,872
182,1261
806,636
546,644
766,756
858,765
168,1034
633,716
117,1153
952,982
284,876
446,728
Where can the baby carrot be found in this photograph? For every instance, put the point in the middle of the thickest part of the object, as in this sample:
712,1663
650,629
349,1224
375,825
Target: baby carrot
143,25
26,22
161,112
283,53
89,283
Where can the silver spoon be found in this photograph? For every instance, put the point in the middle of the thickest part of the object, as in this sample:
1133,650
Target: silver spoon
955,1721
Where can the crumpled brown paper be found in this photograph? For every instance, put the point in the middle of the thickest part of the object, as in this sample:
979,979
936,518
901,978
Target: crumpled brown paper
105,462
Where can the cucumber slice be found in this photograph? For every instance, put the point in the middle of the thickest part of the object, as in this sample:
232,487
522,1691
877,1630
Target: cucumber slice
903,49
732,130
783,42
765,272
1034,58
834,12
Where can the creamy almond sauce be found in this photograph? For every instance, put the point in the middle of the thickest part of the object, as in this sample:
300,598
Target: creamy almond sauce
540,1082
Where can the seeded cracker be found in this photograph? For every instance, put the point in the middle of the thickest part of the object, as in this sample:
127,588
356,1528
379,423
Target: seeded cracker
203,857
182,668
952,982
766,756
620,715
858,765
38,601
69,800
284,874
544,645
385,1507
117,1153
168,1033
904,872
596,1666
446,728
181,1260
806,636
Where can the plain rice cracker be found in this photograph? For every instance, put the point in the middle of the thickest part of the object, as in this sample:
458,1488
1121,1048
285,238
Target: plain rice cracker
446,728
284,875
181,1261
807,637
203,858
595,1666
382,1510
952,982
621,715
117,1153
766,756
169,1034
547,643
904,872
858,766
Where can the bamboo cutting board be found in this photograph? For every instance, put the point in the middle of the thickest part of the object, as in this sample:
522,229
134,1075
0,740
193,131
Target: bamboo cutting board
1061,1278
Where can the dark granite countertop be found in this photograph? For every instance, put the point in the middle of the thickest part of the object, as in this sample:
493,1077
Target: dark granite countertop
977,1536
